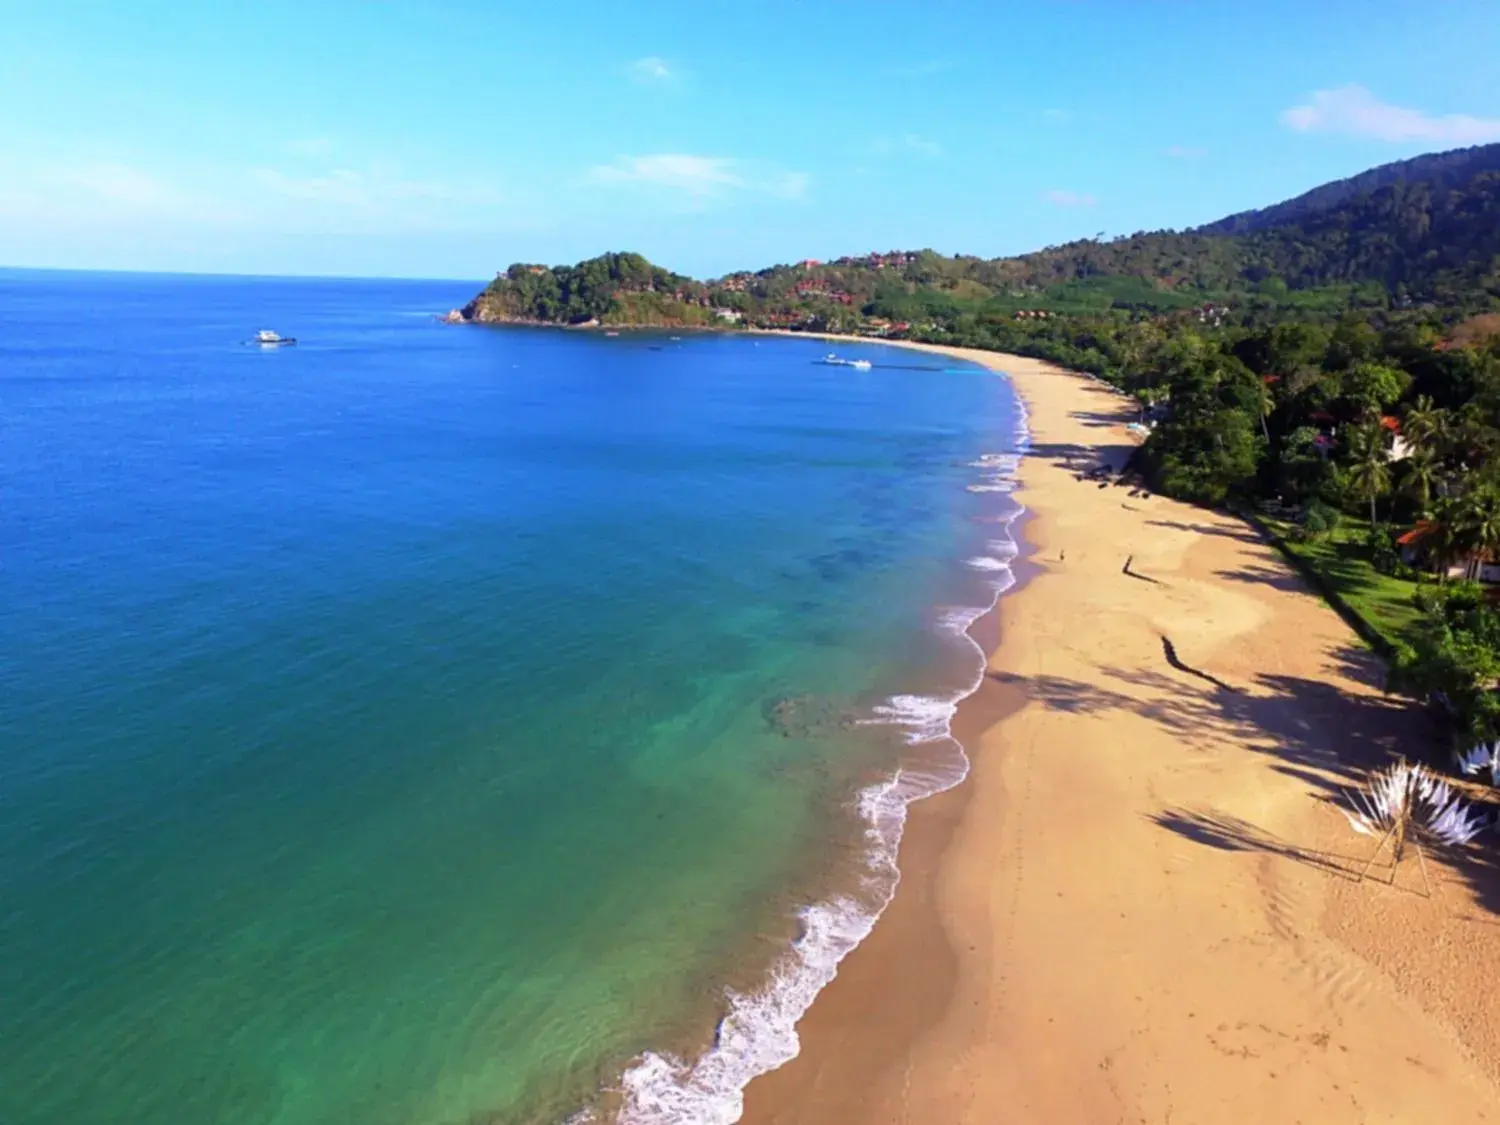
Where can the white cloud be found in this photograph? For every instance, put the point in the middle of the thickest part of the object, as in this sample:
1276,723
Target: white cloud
701,177
1356,111
81,189
127,209
650,71
371,189
121,184
362,199
1061,197
340,186
309,146
787,185
923,68
884,146
1186,152
101,189
695,175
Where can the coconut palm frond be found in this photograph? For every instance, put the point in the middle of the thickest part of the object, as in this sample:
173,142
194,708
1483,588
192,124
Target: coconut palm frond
1406,796
1480,757
1431,789
1456,823
1380,805
1361,823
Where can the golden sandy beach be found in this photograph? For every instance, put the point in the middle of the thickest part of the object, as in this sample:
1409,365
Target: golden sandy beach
1143,904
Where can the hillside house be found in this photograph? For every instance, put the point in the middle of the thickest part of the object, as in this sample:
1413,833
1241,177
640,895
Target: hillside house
810,289
1400,450
1416,550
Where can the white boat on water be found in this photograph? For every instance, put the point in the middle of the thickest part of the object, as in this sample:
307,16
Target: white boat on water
271,339
833,360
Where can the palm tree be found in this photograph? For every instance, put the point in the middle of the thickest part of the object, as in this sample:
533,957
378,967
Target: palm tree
1420,475
1446,539
1478,521
1370,473
1424,424
1471,436
1265,403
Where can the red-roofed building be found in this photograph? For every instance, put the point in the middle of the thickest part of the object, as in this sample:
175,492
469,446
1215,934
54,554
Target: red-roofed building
1416,550
1400,450
1419,532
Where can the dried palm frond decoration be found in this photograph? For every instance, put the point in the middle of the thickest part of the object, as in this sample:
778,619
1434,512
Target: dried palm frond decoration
1480,757
1407,803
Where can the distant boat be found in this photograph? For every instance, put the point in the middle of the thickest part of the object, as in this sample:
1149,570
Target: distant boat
272,340
674,338
833,360
611,333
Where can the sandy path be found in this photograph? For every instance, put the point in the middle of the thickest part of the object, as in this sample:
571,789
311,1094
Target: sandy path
1140,908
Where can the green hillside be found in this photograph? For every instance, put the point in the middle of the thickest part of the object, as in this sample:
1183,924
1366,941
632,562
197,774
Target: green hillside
1420,232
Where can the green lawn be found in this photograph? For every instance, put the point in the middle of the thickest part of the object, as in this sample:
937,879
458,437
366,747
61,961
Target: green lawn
1340,564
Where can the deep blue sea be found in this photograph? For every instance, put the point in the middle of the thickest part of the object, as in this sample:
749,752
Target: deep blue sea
427,725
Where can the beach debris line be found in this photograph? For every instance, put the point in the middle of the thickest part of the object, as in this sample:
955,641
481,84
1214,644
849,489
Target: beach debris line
1407,803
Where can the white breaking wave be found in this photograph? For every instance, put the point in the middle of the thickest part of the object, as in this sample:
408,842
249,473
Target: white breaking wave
955,620
985,562
999,471
759,1032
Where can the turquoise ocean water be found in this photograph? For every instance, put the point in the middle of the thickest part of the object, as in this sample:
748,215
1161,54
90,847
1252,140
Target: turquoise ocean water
428,725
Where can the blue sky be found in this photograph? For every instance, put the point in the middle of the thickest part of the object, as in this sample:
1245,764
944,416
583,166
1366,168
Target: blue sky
448,140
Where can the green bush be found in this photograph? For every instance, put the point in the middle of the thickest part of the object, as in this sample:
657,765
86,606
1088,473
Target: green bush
1319,520
1384,556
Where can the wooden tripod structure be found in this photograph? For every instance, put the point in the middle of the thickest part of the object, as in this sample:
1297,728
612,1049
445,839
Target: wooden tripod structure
1404,829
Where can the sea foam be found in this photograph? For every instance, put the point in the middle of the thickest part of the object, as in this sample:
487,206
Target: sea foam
758,1033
